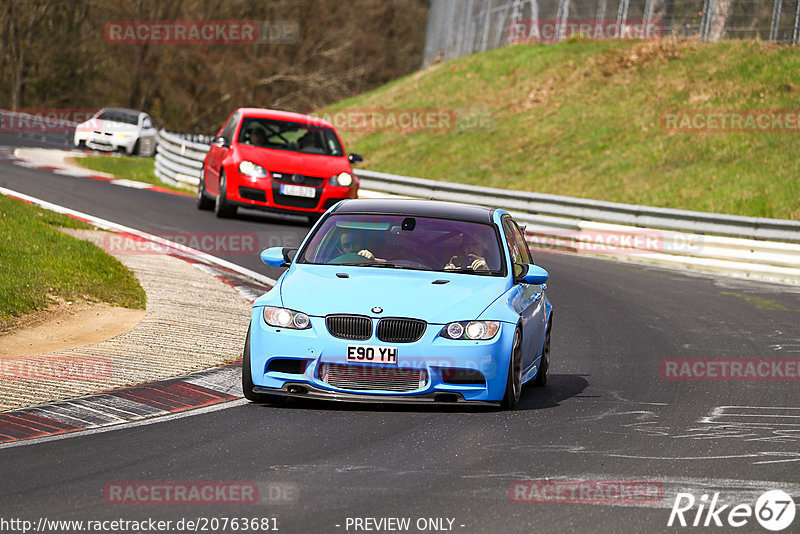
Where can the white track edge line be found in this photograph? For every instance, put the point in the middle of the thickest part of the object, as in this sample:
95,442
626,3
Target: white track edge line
108,225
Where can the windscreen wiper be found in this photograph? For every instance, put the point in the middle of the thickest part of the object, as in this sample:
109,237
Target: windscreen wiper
467,270
367,264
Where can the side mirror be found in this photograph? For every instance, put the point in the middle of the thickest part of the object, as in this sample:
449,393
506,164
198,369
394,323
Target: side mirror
220,141
355,159
289,254
530,274
278,256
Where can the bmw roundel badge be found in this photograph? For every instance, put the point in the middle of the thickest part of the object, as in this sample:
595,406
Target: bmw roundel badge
377,309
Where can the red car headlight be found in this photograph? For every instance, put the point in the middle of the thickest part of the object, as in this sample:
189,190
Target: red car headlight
343,179
248,168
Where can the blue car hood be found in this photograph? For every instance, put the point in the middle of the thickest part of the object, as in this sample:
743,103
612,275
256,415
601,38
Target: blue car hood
316,290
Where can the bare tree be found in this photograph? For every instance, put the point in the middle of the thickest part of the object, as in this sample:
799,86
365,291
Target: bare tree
723,10
55,53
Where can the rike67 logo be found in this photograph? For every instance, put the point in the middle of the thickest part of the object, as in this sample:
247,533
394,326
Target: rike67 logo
774,510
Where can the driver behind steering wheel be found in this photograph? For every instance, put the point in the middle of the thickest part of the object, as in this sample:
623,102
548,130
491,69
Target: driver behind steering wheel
347,245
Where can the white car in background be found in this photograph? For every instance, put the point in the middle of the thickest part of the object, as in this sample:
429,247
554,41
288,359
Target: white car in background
113,129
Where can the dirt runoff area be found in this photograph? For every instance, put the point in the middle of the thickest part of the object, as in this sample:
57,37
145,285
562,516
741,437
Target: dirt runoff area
65,326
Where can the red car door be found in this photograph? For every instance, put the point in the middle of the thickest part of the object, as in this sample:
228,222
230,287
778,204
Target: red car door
216,154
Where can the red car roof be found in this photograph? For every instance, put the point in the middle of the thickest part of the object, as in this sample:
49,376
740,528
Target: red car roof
283,116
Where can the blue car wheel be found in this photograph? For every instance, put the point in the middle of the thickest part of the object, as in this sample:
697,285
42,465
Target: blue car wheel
514,379
544,365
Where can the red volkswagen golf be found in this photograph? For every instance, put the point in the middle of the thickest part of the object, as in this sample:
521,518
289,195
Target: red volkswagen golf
276,161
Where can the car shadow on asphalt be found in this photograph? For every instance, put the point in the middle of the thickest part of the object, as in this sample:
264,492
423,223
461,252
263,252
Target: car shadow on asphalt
559,388
249,215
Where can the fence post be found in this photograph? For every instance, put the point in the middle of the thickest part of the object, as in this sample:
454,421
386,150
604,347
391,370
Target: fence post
796,33
561,18
776,16
622,17
705,23
487,19
601,11
505,19
648,16
513,27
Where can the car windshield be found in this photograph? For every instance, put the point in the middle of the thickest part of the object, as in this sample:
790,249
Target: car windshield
292,136
402,242
115,115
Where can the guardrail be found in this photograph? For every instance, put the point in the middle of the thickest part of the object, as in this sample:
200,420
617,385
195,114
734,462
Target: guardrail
43,127
767,249
179,160
584,209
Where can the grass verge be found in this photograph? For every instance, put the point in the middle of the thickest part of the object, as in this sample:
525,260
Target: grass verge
40,265
585,119
130,168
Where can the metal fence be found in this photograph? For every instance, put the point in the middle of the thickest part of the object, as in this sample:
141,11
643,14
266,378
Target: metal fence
460,27
179,160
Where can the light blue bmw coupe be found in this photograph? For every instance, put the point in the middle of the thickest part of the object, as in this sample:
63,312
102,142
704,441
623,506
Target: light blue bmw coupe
397,300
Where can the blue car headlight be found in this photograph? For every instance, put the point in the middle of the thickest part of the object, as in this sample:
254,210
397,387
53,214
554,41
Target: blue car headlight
285,318
470,330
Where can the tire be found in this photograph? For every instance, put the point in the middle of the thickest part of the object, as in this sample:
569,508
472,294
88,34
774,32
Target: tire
544,365
203,202
514,378
247,380
136,149
222,208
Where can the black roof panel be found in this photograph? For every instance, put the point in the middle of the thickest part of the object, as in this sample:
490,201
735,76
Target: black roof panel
418,208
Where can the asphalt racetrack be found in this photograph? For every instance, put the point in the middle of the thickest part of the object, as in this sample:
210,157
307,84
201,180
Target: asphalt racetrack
609,417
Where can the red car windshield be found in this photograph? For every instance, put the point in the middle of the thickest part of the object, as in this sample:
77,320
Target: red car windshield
292,136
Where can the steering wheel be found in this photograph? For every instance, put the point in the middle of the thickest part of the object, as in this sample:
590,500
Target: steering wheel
351,257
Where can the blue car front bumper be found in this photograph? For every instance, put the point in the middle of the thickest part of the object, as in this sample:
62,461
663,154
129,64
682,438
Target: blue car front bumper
313,363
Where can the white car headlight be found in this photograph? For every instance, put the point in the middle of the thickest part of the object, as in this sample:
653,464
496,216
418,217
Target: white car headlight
342,180
248,168
285,318
473,330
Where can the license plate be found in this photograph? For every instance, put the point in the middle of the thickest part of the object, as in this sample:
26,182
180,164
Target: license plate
371,354
298,191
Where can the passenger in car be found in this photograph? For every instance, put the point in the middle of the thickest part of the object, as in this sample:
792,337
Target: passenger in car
471,256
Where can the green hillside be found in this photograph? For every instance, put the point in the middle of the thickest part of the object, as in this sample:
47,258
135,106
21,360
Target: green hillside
586,119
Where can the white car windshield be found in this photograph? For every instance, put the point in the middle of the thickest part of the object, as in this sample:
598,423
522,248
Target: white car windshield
115,115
